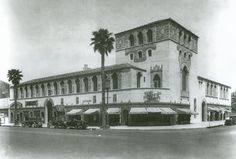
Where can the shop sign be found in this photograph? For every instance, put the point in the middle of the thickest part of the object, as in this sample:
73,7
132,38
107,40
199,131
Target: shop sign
150,96
31,103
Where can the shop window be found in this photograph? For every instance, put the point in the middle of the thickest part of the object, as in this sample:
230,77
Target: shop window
114,98
42,114
157,81
131,56
95,83
62,101
149,36
150,53
70,86
94,99
140,38
131,40
115,81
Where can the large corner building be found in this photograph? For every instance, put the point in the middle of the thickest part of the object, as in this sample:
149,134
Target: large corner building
153,82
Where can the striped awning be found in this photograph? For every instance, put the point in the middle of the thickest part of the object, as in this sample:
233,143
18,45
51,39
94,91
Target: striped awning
138,111
91,111
186,111
212,108
113,110
74,112
167,111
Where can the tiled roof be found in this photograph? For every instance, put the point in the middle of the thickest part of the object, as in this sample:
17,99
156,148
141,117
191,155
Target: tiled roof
83,72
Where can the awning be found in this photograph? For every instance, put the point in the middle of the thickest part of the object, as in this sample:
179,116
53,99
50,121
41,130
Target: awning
186,111
90,111
153,110
213,108
60,108
138,111
74,112
167,111
113,110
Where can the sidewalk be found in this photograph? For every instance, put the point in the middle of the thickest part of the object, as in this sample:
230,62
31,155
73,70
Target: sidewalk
173,127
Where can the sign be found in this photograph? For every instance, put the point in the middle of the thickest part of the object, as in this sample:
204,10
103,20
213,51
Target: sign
149,96
31,103
87,101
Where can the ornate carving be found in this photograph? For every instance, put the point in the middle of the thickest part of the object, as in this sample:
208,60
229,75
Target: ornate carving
156,68
184,56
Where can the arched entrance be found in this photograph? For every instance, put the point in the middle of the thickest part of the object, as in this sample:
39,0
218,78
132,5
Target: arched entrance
48,111
204,112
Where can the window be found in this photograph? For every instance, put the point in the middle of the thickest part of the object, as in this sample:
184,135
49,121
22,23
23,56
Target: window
70,86
114,98
43,89
55,88
62,87
184,78
149,53
180,53
95,83
31,91
131,40
62,101
94,99
115,81
140,38
42,114
157,81
139,75
85,84
77,83
21,93
77,100
140,54
149,36
131,56
49,89
26,92
189,57
185,54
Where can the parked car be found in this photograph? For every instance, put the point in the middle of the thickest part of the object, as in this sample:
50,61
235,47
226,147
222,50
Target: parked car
32,122
59,124
76,124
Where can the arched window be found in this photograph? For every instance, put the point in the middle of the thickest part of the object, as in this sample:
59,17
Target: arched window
149,36
37,90
131,40
140,54
43,89
55,88
31,91
157,81
70,86
139,75
207,91
77,83
114,81
85,84
95,83
26,92
21,92
149,53
184,78
140,38
62,87
49,89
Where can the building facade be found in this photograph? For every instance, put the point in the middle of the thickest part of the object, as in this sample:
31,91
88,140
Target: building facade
154,82
4,102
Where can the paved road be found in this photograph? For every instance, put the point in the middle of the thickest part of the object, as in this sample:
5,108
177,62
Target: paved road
37,143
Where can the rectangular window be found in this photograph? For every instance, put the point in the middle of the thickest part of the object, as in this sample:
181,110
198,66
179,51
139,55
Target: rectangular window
131,56
77,100
94,99
114,98
62,101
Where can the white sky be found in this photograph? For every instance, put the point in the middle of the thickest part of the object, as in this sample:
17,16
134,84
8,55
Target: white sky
48,37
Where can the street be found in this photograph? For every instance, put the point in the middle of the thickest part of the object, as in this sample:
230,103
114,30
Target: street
28,143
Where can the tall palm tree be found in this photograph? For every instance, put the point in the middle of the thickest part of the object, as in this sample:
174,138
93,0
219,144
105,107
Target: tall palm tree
15,76
102,42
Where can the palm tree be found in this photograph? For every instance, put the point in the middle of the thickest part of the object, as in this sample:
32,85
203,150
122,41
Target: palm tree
102,42
14,76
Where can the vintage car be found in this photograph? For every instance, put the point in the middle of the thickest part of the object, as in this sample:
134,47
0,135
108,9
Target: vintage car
76,124
32,122
59,124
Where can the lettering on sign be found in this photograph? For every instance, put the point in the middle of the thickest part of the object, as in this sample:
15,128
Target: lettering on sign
31,103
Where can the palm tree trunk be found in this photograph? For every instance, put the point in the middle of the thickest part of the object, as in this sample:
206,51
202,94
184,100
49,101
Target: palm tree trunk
102,109
15,103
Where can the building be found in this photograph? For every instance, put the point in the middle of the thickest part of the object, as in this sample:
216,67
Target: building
153,82
4,102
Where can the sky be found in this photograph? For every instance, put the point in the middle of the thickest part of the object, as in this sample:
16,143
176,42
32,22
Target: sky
49,37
